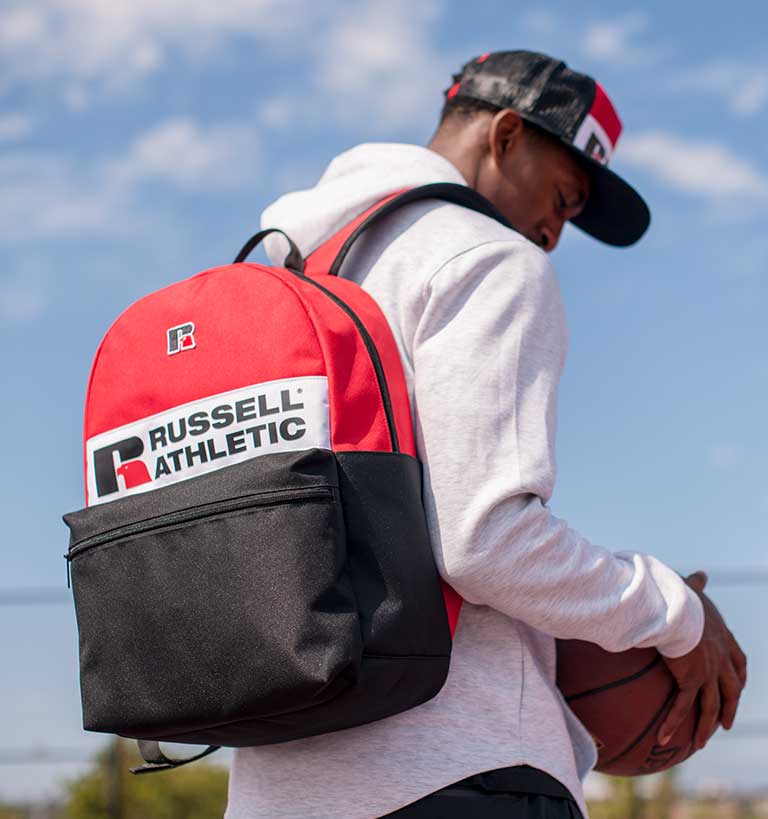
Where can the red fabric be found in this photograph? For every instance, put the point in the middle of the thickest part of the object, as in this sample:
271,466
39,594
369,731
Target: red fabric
242,337
320,260
134,473
318,264
604,112
375,323
358,420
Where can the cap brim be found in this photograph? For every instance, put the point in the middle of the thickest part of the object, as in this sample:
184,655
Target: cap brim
615,212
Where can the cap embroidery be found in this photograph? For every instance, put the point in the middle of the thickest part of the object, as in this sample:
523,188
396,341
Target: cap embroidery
599,132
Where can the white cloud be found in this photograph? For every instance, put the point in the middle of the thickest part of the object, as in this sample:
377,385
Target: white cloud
76,98
726,455
742,86
278,112
613,41
751,98
108,42
541,21
184,154
371,61
377,63
51,196
706,169
14,126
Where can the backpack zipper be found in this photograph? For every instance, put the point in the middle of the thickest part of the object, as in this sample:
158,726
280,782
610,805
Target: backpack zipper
372,352
195,513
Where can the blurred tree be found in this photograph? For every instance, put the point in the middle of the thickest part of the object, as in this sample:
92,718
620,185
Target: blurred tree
7,812
110,791
666,796
747,810
628,801
625,803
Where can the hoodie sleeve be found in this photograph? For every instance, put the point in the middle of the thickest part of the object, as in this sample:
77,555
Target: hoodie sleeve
488,354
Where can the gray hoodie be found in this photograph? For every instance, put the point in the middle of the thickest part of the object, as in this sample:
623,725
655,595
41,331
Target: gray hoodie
476,311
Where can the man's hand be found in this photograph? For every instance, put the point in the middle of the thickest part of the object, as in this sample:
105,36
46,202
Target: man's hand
717,668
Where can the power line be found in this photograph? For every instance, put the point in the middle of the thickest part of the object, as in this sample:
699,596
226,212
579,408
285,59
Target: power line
44,595
45,756
753,729
52,595
738,577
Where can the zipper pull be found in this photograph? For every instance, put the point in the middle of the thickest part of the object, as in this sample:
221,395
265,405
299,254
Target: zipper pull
69,585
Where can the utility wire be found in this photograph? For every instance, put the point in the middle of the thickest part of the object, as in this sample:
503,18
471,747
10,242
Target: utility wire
738,577
52,595
45,756
754,729
750,729
43,595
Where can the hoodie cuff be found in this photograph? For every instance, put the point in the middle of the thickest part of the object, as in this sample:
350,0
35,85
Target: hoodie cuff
690,629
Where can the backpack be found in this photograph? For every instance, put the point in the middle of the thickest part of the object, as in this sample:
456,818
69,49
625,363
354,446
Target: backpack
253,563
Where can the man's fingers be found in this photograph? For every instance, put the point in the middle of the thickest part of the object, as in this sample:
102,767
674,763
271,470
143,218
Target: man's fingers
708,715
739,660
679,711
730,691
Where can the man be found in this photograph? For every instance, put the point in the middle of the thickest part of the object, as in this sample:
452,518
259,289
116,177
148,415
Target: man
476,312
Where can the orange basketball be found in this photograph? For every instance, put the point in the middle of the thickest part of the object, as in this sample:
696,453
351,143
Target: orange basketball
622,699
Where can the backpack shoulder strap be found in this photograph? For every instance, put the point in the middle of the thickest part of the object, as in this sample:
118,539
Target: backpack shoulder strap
330,256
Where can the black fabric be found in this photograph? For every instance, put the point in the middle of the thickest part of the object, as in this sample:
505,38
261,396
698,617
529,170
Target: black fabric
266,601
547,93
293,261
197,621
391,563
615,213
520,779
535,85
519,792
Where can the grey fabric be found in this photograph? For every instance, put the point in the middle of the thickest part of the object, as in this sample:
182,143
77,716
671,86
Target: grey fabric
476,311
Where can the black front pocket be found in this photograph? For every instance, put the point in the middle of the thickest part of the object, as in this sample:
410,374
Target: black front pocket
221,598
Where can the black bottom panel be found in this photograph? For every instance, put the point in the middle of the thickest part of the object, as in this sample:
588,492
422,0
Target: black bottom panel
287,596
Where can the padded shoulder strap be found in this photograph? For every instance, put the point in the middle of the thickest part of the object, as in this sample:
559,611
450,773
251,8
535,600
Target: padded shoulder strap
339,246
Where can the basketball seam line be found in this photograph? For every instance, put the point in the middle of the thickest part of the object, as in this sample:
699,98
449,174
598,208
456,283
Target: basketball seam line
642,736
615,683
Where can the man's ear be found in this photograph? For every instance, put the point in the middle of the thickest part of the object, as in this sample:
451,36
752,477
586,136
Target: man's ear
504,134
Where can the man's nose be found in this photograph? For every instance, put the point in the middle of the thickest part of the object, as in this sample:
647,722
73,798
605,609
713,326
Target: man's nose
549,235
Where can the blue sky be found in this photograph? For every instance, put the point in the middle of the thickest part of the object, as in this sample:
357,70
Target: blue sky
140,140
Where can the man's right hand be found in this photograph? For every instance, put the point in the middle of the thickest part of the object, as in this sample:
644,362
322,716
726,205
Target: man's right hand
716,668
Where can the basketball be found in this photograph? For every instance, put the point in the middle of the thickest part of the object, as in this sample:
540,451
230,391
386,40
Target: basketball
621,699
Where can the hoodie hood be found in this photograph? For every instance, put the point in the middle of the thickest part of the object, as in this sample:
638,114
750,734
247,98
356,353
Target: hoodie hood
353,182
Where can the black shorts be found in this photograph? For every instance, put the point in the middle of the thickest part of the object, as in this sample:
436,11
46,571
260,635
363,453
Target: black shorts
521,792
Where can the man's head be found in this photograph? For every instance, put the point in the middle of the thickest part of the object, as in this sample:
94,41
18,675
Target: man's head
534,138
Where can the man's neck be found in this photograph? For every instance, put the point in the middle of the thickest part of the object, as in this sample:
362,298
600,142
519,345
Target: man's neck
462,148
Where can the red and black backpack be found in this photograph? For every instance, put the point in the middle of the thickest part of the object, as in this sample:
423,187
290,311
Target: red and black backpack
253,563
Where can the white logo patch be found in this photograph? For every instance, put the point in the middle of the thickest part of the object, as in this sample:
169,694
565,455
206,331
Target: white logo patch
591,137
204,435
181,338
